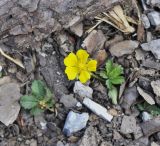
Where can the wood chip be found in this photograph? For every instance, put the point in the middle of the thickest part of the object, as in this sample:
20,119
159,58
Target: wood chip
18,62
146,96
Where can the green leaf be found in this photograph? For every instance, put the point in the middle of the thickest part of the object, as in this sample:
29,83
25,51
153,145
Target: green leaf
153,109
36,111
103,74
117,80
109,65
28,102
48,93
38,88
108,84
113,93
116,71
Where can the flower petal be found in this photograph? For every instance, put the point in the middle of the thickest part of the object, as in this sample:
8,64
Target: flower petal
84,76
70,60
71,72
82,55
92,65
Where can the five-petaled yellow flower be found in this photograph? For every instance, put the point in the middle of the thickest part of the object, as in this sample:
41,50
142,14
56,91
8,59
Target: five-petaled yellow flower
79,66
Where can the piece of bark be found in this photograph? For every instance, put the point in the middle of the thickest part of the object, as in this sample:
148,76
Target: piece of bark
152,126
53,75
24,23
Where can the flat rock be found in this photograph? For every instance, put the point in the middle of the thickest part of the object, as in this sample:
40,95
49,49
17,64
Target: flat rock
151,64
82,90
9,97
153,3
123,48
91,137
68,101
94,41
154,18
153,46
128,125
156,87
77,29
130,96
97,109
152,126
75,122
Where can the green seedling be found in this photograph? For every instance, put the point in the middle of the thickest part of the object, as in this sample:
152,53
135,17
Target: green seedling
154,110
39,100
113,76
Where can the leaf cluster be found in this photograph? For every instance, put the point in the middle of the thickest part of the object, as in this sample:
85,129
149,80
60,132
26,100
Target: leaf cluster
39,99
152,109
113,76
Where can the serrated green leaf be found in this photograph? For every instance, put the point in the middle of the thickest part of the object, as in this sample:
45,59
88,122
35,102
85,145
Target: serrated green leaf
109,65
113,93
108,84
38,88
117,80
115,72
28,102
103,74
36,111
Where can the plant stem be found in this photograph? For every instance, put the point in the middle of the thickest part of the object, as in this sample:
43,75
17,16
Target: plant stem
97,77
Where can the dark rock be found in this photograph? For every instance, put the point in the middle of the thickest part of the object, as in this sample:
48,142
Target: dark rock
144,83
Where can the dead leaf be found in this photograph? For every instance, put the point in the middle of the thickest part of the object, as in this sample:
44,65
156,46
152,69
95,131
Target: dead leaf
117,19
18,62
146,96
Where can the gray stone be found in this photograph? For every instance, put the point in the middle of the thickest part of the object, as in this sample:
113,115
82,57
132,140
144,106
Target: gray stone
130,96
77,29
75,122
95,40
33,142
156,87
68,101
145,21
128,125
59,143
153,3
153,46
123,48
154,18
138,132
82,90
9,97
91,137
97,109
146,116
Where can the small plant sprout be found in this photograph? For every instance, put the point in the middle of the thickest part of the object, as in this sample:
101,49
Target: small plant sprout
79,66
39,100
113,76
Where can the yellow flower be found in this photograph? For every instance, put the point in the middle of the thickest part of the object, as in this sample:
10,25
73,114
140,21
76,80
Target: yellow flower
79,66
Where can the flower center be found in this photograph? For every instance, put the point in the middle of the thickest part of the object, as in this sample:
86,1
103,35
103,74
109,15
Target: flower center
82,66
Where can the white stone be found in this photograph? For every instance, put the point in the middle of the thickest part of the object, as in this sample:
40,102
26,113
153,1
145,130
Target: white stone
97,109
75,122
82,90
154,18
145,21
146,116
